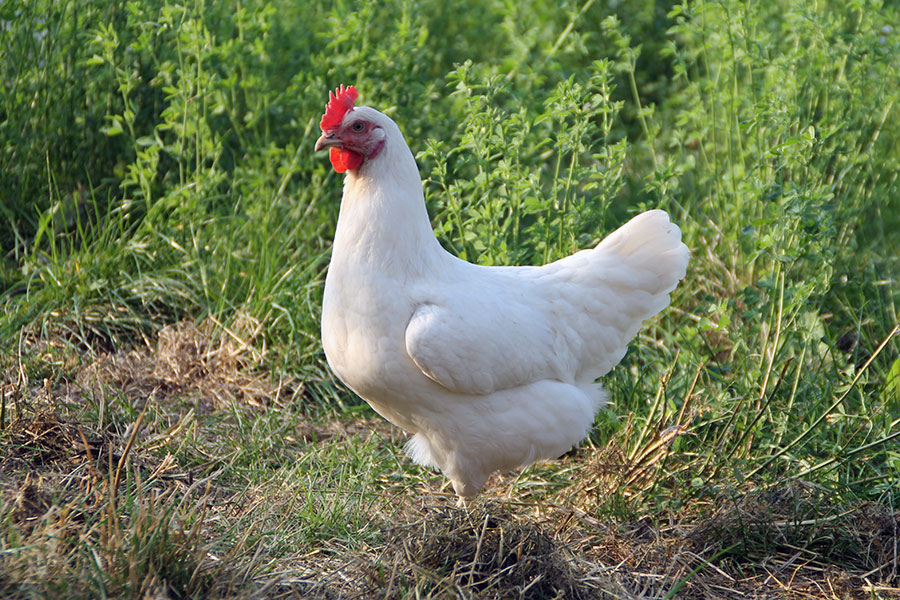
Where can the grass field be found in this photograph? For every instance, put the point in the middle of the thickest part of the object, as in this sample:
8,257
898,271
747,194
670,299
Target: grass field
169,427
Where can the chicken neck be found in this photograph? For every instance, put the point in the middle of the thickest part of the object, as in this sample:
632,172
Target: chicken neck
383,224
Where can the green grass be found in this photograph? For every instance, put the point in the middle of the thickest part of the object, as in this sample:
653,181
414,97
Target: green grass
166,227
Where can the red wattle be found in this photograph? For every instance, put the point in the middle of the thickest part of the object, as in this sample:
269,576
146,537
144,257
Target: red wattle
342,159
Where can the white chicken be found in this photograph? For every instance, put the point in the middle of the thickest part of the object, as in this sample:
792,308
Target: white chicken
490,368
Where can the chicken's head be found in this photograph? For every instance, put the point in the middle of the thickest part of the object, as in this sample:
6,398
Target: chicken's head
351,134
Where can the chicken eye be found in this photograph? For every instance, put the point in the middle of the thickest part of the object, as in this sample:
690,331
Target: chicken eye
358,126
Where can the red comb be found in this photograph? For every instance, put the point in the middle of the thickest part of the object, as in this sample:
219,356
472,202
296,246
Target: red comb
339,102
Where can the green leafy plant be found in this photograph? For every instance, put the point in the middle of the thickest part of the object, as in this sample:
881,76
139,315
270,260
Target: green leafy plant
156,166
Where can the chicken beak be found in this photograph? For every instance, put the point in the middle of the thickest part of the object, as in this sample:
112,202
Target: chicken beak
326,140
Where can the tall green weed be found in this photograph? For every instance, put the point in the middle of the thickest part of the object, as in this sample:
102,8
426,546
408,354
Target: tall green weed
156,164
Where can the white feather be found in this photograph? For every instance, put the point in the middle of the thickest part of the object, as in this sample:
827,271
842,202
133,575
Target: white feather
489,367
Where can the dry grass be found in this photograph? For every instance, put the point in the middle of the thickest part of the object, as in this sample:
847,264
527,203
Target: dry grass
497,550
484,549
88,502
76,516
100,506
214,367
